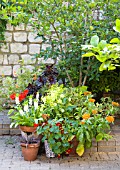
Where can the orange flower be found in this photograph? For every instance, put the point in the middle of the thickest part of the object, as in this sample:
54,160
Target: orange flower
92,100
110,119
35,77
82,122
86,116
16,86
94,112
115,103
14,73
87,93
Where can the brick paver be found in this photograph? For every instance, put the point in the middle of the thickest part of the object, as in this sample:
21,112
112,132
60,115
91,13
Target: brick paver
11,159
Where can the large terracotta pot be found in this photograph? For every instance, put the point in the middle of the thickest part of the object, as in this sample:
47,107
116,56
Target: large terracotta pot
30,151
75,144
28,129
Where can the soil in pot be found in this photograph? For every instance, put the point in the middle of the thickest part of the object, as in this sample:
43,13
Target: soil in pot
30,151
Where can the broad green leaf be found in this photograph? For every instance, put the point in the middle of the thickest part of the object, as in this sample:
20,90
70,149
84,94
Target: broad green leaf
104,65
99,137
88,55
117,28
94,40
115,40
101,58
80,149
111,67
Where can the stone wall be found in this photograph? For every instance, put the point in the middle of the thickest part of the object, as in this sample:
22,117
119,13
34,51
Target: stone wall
20,45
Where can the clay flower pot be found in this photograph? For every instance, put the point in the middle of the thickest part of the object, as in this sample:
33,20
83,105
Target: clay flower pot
30,151
28,129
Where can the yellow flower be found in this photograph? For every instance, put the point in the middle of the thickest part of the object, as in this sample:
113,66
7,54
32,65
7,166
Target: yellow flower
94,112
92,100
86,116
110,119
115,103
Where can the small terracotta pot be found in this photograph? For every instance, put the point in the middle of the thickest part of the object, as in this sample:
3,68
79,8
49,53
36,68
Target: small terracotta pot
30,151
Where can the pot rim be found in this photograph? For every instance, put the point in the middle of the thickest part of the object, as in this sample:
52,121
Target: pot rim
32,145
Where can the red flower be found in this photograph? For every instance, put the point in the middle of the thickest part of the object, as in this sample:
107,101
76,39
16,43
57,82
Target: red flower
59,124
36,125
12,96
58,155
26,91
22,96
68,151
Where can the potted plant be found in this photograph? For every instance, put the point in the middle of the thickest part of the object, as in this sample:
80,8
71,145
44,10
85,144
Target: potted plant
30,146
74,114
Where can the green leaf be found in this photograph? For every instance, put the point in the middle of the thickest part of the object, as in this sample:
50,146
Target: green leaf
111,67
80,149
117,28
104,65
94,40
101,58
115,40
88,54
88,144
102,44
99,137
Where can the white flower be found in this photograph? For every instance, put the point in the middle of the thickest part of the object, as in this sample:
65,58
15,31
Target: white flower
17,100
36,104
21,112
26,108
37,96
30,101
62,95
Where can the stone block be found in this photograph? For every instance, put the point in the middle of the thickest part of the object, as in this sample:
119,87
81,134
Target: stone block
32,38
31,68
8,36
34,48
28,59
9,27
18,48
20,36
13,59
1,59
29,28
20,27
5,47
5,60
48,61
44,46
6,70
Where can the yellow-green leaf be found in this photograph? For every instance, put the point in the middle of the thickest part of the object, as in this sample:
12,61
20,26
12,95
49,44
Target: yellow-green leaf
115,40
80,149
88,54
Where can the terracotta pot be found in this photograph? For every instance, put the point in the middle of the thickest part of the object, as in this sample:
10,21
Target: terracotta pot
28,129
75,144
30,151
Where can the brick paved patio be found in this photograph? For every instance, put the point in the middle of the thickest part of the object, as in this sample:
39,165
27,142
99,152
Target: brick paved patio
11,159
102,155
